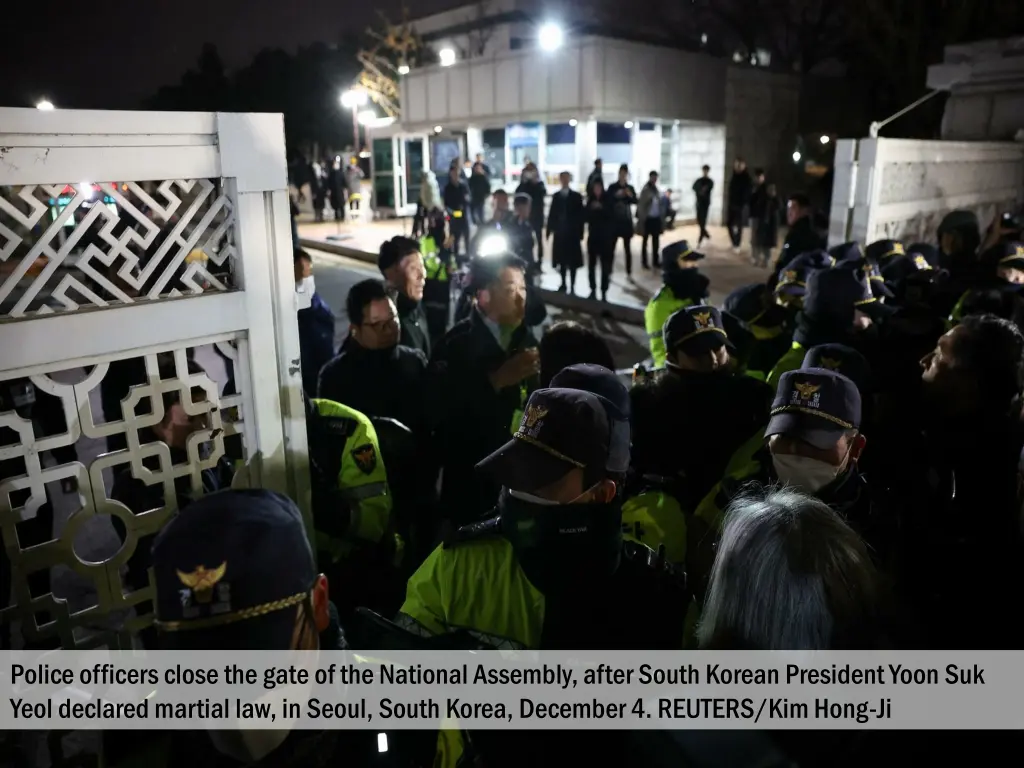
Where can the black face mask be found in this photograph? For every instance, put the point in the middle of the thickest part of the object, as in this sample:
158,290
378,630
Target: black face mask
564,545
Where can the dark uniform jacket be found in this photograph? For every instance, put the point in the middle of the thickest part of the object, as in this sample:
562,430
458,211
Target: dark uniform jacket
471,419
379,382
686,426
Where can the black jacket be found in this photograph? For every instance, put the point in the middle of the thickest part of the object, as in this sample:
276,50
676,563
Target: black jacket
801,238
387,382
741,187
622,215
472,420
706,417
565,222
415,333
456,195
537,192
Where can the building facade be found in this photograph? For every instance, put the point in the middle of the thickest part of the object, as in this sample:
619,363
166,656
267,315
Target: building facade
512,99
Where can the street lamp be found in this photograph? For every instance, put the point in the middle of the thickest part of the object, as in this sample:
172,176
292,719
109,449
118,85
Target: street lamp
45,105
796,157
352,99
825,139
550,37
403,69
447,57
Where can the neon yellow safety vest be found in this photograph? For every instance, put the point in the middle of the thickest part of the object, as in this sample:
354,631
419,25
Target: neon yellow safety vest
362,480
658,310
790,361
655,518
477,586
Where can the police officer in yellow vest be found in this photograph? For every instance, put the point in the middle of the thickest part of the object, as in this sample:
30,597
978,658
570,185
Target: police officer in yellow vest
682,285
551,570
767,320
686,425
352,503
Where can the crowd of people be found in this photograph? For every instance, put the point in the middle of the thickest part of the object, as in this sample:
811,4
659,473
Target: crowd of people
579,229
829,460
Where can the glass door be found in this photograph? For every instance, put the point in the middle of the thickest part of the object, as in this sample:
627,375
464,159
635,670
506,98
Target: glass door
412,154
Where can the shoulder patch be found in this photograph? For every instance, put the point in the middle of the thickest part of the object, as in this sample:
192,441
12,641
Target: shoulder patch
474,532
365,457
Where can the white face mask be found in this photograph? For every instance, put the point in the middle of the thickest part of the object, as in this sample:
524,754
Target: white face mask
250,746
803,473
304,291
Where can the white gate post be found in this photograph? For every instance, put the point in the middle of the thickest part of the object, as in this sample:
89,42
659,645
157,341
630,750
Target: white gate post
252,152
862,223
844,190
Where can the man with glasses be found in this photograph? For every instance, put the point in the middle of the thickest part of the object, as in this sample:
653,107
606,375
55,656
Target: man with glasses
373,372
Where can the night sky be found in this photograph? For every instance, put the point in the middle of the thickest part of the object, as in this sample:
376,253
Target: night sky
115,53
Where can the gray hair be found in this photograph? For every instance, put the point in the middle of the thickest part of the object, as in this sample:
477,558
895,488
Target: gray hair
789,575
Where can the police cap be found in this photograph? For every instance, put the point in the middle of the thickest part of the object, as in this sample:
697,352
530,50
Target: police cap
561,430
695,330
229,557
841,359
816,406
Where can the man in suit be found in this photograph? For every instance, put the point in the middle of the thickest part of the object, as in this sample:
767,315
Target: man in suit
565,224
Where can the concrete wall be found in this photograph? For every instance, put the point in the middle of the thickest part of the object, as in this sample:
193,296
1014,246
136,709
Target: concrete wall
901,188
762,112
986,85
614,79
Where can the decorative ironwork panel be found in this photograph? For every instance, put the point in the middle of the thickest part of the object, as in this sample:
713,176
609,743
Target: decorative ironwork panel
101,244
93,463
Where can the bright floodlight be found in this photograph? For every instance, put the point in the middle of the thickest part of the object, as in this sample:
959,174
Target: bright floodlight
437,129
796,157
551,37
403,69
628,124
825,139
447,57
382,742
44,105
572,123
367,116
492,245
353,98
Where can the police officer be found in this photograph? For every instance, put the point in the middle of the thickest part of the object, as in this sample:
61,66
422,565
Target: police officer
352,505
839,307
682,285
813,443
548,571
687,424
236,572
769,323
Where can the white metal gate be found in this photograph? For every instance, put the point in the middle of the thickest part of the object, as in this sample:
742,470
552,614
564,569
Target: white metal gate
902,188
134,239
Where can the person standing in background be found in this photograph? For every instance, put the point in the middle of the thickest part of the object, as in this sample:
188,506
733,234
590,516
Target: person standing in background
623,198
741,187
479,191
766,235
565,224
534,187
600,238
456,202
648,218
757,202
702,189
